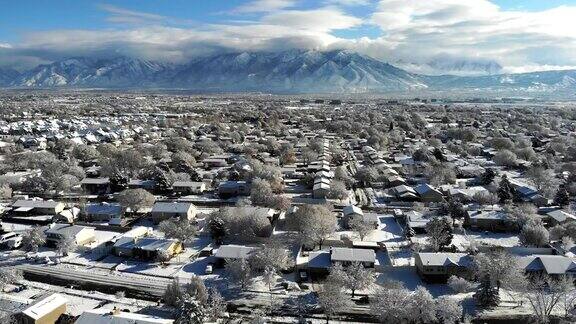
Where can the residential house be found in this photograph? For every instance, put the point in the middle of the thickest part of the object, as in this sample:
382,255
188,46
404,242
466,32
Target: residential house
82,235
559,216
37,207
438,267
149,248
46,310
486,220
553,265
346,256
188,187
404,193
350,212
96,186
229,189
416,222
465,194
232,252
124,245
320,190
166,210
103,211
115,316
428,193
148,185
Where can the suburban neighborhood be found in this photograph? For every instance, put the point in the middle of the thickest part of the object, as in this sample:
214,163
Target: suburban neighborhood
172,208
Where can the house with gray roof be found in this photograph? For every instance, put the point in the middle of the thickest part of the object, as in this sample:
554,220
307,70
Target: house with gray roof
346,256
103,211
487,220
428,193
437,267
82,235
166,210
553,265
37,207
232,252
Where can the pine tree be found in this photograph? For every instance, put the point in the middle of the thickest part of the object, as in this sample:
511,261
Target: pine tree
487,295
119,181
505,190
487,177
562,198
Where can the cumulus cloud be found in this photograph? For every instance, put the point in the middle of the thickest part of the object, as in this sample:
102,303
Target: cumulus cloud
412,31
478,29
323,20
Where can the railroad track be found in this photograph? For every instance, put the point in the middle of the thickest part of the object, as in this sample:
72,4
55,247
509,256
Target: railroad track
145,288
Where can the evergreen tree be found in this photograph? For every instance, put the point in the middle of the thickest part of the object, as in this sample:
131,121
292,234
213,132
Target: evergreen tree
487,295
217,229
119,181
505,190
439,155
562,198
487,177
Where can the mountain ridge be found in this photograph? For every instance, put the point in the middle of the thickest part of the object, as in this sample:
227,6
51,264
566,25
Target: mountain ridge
295,71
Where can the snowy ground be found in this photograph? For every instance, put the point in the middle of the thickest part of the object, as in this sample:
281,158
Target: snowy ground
388,231
80,300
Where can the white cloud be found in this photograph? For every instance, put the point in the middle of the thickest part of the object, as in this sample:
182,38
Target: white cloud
477,29
413,31
121,15
323,19
264,6
349,3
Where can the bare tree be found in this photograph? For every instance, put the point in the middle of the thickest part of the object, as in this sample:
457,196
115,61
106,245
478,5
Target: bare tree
66,245
9,276
534,234
178,228
502,268
136,199
239,272
33,238
273,256
354,277
314,222
216,305
422,306
448,310
544,294
363,228
332,299
388,304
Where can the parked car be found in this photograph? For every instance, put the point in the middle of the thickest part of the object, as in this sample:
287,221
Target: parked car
13,243
7,236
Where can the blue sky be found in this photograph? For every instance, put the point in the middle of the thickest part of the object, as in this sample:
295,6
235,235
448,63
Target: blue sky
39,31
23,16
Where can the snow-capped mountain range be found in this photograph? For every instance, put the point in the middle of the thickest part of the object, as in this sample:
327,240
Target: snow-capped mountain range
293,71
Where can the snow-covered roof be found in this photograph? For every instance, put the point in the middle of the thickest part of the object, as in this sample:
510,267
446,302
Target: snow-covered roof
354,255
234,251
444,259
45,306
108,316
